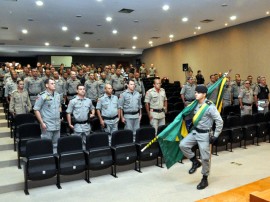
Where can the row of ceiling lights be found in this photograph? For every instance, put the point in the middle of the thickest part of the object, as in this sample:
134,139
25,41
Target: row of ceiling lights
109,19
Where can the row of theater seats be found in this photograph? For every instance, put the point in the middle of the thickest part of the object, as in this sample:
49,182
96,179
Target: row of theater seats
41,163
243,129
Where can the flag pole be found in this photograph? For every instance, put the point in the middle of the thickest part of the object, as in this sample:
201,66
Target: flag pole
150,143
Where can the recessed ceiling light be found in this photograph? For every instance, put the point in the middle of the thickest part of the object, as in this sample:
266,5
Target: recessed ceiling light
267,12
185,19
24,31
194,33
135,38
114,31
39,3
64,28
171,36
233,17
77,38
78,16
99,0
198,28
171,39
150,42
166,7
108,19
224,5
226,24
47,44
133,47
86,45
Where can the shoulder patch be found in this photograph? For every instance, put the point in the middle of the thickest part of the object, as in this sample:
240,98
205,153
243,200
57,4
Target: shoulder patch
208,102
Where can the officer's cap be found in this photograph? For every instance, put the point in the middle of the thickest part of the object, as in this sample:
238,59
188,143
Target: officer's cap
201,89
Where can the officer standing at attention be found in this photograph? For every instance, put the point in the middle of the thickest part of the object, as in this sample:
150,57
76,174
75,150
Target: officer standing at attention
108,110
188,92
101,84
33,85
79,107
11,85
200,134
60,87
156,104
47,110
19,101
118,82
263,96
131,107
71,85
236,86
227,95
91,88
139,86
246,99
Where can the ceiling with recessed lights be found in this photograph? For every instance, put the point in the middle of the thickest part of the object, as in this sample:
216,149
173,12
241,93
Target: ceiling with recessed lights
113,27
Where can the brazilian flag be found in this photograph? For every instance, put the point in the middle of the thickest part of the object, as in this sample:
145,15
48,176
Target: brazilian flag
171,136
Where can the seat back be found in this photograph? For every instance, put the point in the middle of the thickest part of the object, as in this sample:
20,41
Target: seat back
258,118
161,128
267,116
97,139
145,120
144,134
233,121
122,137
226,110
69,143
24,118
29,130
171,115
246,119
39,147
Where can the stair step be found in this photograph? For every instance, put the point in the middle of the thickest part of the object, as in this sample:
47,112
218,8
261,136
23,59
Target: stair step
3,123
4,132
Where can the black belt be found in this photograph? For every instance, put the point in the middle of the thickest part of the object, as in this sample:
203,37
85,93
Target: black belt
132,113
33,94
109,118
157,110
80,122
71,94
246,104
201,131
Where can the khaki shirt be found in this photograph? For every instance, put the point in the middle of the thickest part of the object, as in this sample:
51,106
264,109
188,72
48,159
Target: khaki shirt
189,92
156,101
20,102
246,95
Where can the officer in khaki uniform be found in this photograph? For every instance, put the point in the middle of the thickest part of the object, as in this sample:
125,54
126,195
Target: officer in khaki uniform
246,99
156,104
236,86
60,87
130,107
71,85
118,82
139,86
34,86
47,110
91,88
79,107
19,100
108,110
11,85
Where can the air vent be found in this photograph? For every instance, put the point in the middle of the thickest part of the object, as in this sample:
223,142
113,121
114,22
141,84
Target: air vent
67,46
30,19
1,44
155,37
5,28
125,10
89,33
207,21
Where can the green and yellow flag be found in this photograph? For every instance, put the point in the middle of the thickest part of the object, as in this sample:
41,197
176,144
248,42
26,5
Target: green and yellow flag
171,136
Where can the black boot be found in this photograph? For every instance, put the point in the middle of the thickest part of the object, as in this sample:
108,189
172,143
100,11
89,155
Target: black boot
203,183
195,164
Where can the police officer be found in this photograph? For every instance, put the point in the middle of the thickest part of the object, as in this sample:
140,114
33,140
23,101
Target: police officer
101,84
263,96
246,99
200,134
214,94
47,75
227,95
130,107
236,86
108,110
79,107
139,86
47,110
11,85
156,104
143,71
34,86
91,88
152,71
71,85
118,82
25,73
188,91
19,100
60,87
